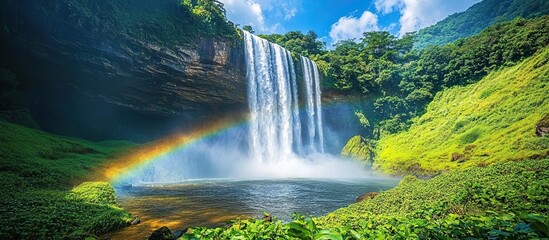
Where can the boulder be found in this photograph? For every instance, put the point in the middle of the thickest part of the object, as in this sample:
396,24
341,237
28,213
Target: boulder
162,233
267,218
365,196
135,221
179,233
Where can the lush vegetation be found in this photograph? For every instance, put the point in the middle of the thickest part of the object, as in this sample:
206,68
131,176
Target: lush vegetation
470,106
297,42
478,124
208,17
477,18
403,81
178,22
505,201
38,171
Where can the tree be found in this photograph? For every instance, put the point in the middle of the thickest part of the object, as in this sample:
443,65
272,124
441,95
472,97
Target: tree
297,42
248,28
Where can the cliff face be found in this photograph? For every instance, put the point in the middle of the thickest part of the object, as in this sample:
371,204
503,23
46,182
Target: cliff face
118,69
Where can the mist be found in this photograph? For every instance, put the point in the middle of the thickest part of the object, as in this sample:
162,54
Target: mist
226,155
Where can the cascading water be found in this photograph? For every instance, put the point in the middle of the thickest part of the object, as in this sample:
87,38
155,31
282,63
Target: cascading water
314,105
275,127
283,140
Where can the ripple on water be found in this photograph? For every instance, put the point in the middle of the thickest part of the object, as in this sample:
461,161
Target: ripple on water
214,202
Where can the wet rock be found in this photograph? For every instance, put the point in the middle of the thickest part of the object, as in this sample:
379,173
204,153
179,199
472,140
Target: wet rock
365,196
162,233
267,217
135,221
179,233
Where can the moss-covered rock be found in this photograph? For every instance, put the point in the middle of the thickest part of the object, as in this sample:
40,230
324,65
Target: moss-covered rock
95,193
359,149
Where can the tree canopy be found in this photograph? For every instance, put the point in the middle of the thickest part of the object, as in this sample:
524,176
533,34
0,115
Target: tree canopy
297,42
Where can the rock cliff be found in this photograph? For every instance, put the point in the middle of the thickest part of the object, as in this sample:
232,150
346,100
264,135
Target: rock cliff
118,69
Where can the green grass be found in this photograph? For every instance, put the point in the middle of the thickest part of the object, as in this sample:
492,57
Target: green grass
48,161
38,172
503,201
486,122
510,187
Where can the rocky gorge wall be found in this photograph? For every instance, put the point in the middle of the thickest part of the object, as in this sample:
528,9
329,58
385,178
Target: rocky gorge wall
118,69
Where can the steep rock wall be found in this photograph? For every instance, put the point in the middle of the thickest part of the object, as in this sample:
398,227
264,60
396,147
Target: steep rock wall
118,69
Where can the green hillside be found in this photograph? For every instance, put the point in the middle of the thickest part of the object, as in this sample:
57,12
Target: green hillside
38,171
479,202
490,121
477,18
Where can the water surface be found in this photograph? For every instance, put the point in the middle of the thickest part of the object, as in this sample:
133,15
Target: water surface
214,202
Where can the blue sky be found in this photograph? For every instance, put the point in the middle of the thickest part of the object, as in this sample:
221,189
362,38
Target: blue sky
335,20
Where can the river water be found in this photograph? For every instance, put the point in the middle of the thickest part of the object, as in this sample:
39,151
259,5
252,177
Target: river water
214,202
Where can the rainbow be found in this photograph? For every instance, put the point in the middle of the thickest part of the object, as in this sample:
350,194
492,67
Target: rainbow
150,152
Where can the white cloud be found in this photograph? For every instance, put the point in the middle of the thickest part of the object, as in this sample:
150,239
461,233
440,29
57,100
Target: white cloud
351,27
417,14
263,15
245,12
290,13
387,6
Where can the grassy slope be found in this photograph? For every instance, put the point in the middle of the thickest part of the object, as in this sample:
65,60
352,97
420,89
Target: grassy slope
38,170
482,123
474,197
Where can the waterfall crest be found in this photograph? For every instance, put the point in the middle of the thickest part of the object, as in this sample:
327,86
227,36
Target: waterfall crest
275,121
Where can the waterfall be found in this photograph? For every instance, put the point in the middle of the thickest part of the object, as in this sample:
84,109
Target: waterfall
284,132
318,107
275,121
314,105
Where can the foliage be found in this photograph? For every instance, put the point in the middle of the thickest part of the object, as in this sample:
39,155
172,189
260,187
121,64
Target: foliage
477,18
482,123
402,81
168,22
297,42
490,225
37,171
248,28
50,214
489,202
362,119
209,17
